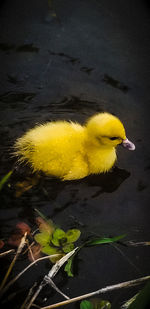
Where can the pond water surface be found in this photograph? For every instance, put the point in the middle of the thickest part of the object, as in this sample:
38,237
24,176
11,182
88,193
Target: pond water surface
92,57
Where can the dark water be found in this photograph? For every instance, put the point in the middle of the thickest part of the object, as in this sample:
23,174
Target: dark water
93,57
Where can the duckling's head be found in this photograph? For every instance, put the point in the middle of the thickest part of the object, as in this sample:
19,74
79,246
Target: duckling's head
108,131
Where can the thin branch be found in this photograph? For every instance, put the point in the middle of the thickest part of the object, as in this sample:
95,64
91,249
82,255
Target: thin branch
22,243
140,243
28,296
6,252
30,250
24,270
129,302
126,258
53,285
51,274
60,263
101,291
29,246
35,295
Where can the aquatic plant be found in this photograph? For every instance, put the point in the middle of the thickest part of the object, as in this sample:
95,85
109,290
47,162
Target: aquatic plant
57,241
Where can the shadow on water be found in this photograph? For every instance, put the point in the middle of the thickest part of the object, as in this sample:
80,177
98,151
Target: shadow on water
27,48
109,182
63,194
59,194
6,47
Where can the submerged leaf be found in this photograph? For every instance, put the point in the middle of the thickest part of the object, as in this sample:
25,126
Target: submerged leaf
15,239
105,240
5,179
23,228
73,235
26,185
68,267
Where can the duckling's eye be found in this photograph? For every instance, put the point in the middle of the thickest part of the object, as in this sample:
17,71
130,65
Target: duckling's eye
113,138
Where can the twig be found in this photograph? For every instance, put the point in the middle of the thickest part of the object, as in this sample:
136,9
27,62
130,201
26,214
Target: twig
24,270
126,258
140,243
101,291
129,302
51,274
6,252
30,250
53,285
60,263
28,296
29,246
22,243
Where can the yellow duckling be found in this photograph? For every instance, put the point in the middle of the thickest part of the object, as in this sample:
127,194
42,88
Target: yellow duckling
69,150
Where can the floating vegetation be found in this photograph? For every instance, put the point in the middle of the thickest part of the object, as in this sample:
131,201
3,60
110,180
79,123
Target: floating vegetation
105,240
50,242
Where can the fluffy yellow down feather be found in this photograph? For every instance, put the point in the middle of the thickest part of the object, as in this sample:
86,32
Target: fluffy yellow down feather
69,150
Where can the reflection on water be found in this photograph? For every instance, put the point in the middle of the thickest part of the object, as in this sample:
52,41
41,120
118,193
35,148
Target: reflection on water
13,97
5,47
115,83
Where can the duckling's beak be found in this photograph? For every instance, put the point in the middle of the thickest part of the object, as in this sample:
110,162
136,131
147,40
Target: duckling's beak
127,144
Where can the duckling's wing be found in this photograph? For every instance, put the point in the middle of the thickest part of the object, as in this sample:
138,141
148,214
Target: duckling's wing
51,147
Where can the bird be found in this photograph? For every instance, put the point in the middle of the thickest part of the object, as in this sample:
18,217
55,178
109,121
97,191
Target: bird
71,151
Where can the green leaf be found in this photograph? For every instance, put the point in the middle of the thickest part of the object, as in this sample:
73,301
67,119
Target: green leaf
42,238
5,179
59,237
68,247
40,214
142,301
85,304
73,235
105,240
68,267
50,250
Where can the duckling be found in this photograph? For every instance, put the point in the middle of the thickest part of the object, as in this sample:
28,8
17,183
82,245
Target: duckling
72,151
